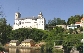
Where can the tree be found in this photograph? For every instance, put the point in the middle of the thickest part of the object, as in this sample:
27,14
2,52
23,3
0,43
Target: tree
25,33
72,40
81,28
74,19
56,21
52,22
4,31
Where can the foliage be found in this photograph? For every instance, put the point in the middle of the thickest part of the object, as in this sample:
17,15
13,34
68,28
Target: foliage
74,19
57,51
81,28
25,33
49,46
4,31
70,31
56,21
2,49
72,40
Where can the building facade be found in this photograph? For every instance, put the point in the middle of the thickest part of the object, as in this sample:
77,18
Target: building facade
14,43
63,26
29,22
27,43
82,22
72,26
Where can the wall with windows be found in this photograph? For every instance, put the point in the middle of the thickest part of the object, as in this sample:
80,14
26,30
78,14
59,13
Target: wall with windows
38,23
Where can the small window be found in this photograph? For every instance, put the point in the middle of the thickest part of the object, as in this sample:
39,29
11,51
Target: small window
27,22
16,15
35,22
16,23
42,21
22,22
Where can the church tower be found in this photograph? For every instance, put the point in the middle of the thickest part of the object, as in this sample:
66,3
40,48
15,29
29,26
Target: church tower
40,15
17,15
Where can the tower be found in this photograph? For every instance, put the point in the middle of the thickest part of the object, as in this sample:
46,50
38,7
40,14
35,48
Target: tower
40,15
17,15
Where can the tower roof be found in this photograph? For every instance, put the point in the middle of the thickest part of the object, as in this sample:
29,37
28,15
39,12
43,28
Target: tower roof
40,13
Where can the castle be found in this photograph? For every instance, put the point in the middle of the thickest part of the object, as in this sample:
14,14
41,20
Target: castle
29,22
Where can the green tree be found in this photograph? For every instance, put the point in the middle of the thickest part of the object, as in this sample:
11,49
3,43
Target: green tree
25,33
74,19
72,40
56,21
81,28
4,31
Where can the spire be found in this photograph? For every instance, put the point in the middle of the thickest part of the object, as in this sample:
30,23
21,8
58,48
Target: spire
18,9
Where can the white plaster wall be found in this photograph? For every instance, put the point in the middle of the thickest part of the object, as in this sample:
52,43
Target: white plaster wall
33,24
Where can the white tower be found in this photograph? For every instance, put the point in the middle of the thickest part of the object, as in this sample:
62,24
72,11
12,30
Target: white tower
17,15
40,15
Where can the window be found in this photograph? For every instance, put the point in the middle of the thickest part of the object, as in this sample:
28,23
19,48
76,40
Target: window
35,22
42,21
69,26
27,22
22,22
16,23
35,19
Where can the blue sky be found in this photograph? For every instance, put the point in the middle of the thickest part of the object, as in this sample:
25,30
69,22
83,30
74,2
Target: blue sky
50,8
